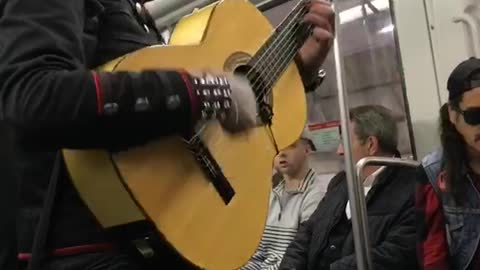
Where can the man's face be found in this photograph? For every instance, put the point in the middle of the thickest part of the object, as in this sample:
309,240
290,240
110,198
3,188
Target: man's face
359,149
469,131
291,159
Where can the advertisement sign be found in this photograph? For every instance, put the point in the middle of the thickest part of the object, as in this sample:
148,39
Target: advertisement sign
325,136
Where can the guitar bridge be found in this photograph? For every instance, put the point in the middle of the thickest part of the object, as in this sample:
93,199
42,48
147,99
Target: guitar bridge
211,169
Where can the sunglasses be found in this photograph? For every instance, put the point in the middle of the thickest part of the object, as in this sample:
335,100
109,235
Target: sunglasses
470,115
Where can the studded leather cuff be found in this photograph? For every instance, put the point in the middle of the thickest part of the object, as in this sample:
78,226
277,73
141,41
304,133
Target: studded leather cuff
172,97
214,96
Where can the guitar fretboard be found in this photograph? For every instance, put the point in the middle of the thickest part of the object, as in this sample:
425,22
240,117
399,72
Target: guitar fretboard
281,47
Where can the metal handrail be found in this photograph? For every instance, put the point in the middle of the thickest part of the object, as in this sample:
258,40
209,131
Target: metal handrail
355,190
474,31
383,161
358,205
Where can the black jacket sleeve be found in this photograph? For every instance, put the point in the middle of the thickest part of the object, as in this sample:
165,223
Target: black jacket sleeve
8,203
54,101
297,253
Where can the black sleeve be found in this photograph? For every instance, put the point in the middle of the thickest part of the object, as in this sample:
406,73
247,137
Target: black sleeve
54,101
296,255
336,180
8,205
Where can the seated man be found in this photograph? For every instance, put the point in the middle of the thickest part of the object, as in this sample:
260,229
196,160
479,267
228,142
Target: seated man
325,241
292,201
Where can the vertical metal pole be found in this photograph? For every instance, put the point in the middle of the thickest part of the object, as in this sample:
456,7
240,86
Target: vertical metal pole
355,188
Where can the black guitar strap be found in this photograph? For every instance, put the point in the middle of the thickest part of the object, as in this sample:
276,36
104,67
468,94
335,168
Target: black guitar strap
39,247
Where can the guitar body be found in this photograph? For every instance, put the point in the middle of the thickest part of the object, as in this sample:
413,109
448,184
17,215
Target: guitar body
162,183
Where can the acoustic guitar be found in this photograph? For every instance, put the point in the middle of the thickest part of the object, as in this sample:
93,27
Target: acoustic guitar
207,197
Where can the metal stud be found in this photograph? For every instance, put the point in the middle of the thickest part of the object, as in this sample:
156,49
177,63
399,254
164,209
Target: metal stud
142,104
173,102
138,7
146,28
226,104
110,108
206,104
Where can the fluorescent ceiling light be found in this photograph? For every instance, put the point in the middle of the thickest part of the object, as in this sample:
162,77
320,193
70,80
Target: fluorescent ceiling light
386,29
355,13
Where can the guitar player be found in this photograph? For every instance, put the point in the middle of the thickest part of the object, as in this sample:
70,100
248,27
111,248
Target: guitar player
52,99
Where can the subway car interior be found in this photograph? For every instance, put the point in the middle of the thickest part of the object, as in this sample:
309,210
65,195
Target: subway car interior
372,162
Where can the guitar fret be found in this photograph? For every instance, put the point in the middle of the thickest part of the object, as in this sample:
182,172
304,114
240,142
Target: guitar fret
278,51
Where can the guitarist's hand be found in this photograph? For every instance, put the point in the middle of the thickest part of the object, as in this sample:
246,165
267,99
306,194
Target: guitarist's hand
243,113
314,51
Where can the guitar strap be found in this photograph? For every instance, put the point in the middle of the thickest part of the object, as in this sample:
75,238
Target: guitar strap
39,250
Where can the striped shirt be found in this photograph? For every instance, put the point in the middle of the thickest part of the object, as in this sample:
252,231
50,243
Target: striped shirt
287,210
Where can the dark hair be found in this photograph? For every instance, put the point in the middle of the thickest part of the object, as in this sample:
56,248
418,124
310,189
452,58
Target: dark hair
454,157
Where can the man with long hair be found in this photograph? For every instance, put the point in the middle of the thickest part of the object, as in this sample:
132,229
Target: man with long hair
448,198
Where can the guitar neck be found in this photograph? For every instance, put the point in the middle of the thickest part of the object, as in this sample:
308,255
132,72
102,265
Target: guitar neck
281,47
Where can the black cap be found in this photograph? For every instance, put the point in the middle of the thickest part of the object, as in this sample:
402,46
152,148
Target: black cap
464,77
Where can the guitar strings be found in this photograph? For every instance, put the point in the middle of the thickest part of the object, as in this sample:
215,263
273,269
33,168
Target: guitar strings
290,52
291,48
295,13
286,35
279,44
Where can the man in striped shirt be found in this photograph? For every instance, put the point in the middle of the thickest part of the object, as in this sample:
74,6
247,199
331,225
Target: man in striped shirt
292,201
